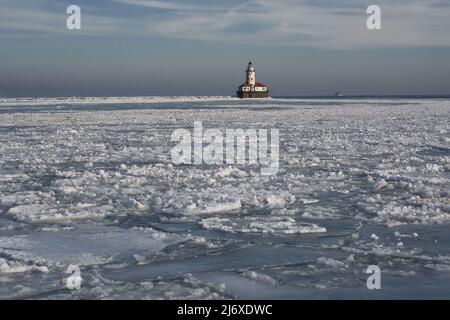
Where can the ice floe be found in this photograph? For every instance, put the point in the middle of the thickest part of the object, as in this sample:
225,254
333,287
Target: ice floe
265,225
90,181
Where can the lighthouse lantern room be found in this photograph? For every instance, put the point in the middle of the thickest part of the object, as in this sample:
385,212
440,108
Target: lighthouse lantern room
251,88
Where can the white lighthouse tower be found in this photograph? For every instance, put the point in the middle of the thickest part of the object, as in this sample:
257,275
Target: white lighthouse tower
251,88
251,77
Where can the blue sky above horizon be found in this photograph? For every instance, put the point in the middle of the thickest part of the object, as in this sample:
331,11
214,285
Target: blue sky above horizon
193,47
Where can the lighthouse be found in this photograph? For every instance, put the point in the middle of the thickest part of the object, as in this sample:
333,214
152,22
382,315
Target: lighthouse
251,78
251,88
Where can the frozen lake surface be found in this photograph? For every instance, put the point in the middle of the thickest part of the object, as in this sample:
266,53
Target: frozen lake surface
91,183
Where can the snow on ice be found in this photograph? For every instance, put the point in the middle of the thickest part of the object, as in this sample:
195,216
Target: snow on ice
90,182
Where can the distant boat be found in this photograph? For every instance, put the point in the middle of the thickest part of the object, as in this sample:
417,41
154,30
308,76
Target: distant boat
338,94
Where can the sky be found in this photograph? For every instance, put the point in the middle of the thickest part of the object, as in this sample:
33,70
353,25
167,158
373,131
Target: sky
202,47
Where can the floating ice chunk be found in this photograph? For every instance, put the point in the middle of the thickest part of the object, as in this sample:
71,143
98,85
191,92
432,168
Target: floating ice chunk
330,262
27,210
3,265
233,172
139,258
355,235
275,201
87,244
350,258
433,167
400,235
134,204
17,267
438,267
269,225
25,197
216,207
68,189
321,213
156,202
222,207
393,214
284,211
43,212
88,165
374,237
259,277
13,177
308,201
24,268
381,184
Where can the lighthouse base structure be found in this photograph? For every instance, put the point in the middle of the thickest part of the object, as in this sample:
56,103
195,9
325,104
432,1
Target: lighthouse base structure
252,94
251,88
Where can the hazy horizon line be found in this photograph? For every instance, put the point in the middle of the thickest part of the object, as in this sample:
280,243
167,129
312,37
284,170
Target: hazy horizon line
437,95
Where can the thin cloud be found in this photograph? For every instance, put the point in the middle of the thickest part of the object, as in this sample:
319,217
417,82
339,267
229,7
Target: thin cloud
319,23
33,19
164,5
303,23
